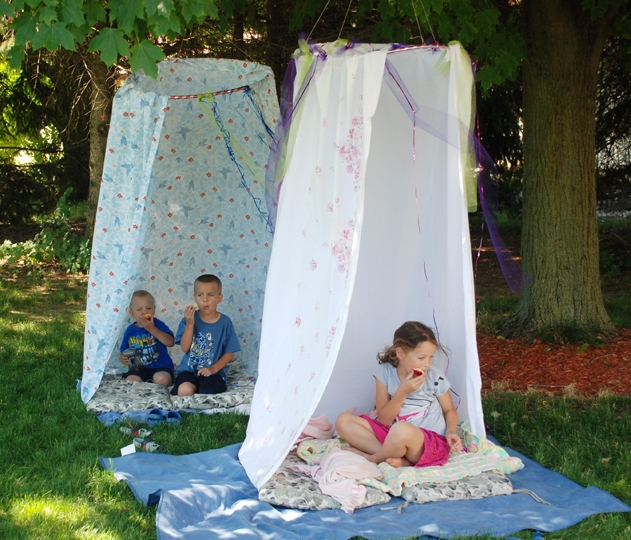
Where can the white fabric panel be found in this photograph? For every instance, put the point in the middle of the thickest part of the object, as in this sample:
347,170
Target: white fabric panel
415,257
410,250
313,262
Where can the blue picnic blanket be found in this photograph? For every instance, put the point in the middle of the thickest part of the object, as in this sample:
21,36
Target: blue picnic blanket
208,495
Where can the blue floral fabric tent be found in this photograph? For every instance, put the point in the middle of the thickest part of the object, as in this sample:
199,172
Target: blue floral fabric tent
182,194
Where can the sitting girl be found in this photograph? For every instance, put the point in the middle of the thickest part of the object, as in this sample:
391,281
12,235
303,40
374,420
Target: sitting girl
416,419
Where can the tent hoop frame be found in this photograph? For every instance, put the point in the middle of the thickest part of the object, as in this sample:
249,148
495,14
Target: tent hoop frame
220,93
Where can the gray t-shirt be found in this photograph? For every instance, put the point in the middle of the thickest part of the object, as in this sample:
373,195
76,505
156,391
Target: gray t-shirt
420,408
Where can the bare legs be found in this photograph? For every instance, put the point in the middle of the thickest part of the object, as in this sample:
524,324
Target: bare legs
403,446
160,377
186,389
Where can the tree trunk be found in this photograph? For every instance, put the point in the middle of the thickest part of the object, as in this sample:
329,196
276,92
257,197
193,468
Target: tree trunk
237,36
561,297
101,110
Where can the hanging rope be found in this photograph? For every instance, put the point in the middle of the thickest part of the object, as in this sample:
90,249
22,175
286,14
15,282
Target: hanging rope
417,22
316,23
428,23
344,21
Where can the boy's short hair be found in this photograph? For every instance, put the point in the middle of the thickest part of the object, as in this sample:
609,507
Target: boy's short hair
140,293
208,278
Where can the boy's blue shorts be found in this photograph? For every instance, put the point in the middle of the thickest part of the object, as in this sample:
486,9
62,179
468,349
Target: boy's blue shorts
213,384
146,374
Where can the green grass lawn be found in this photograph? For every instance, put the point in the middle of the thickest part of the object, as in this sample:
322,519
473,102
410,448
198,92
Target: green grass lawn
52,485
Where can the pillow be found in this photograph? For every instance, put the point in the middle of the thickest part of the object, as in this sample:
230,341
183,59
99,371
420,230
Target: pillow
121,395
229,398
294,489
486,484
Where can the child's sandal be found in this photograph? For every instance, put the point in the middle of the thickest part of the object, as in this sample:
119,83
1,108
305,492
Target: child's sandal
147,445
154,417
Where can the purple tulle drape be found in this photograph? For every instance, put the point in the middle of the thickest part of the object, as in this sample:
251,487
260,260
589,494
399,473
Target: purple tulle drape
445,127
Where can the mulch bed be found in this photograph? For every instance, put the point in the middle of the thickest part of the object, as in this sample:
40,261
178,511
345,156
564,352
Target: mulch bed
545,367
570,369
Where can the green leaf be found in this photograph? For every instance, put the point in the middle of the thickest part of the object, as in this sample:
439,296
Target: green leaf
17,55
53,36
71,12
44,38
24,27
197,9
111,42
47,15
144,56
210,8
6,9
81,33
125,13
94,12
64,36
488,76
486,20
159,26
161,7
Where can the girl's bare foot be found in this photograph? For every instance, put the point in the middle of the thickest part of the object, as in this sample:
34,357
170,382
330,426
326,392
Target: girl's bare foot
397,462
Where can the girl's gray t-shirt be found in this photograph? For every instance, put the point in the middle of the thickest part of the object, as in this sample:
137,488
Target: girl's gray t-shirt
421,407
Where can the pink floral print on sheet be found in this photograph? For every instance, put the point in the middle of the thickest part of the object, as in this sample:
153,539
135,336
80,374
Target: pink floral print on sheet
343,247
351,151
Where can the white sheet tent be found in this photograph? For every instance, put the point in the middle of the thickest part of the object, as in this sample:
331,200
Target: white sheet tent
371,231
182,194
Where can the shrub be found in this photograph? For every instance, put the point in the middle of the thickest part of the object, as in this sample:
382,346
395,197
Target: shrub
56,244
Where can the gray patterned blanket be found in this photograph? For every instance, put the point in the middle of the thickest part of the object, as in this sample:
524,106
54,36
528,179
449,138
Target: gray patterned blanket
120,396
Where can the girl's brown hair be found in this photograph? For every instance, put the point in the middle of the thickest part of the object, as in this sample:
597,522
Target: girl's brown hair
407,336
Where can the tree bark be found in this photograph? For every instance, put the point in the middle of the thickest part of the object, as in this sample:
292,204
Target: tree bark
561,297
101,110
237,36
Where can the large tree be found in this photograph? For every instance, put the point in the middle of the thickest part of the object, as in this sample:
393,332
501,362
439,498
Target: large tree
558,44
562,289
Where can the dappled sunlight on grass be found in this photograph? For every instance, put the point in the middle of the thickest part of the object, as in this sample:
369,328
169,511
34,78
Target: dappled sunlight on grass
56,517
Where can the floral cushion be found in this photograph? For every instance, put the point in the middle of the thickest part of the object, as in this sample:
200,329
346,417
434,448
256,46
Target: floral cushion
120,395
290,488
294,489
486,484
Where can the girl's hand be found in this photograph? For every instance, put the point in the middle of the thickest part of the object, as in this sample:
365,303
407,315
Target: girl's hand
412,382
189,314
454,441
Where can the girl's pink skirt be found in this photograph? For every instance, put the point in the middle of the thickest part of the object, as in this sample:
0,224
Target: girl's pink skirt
436,450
